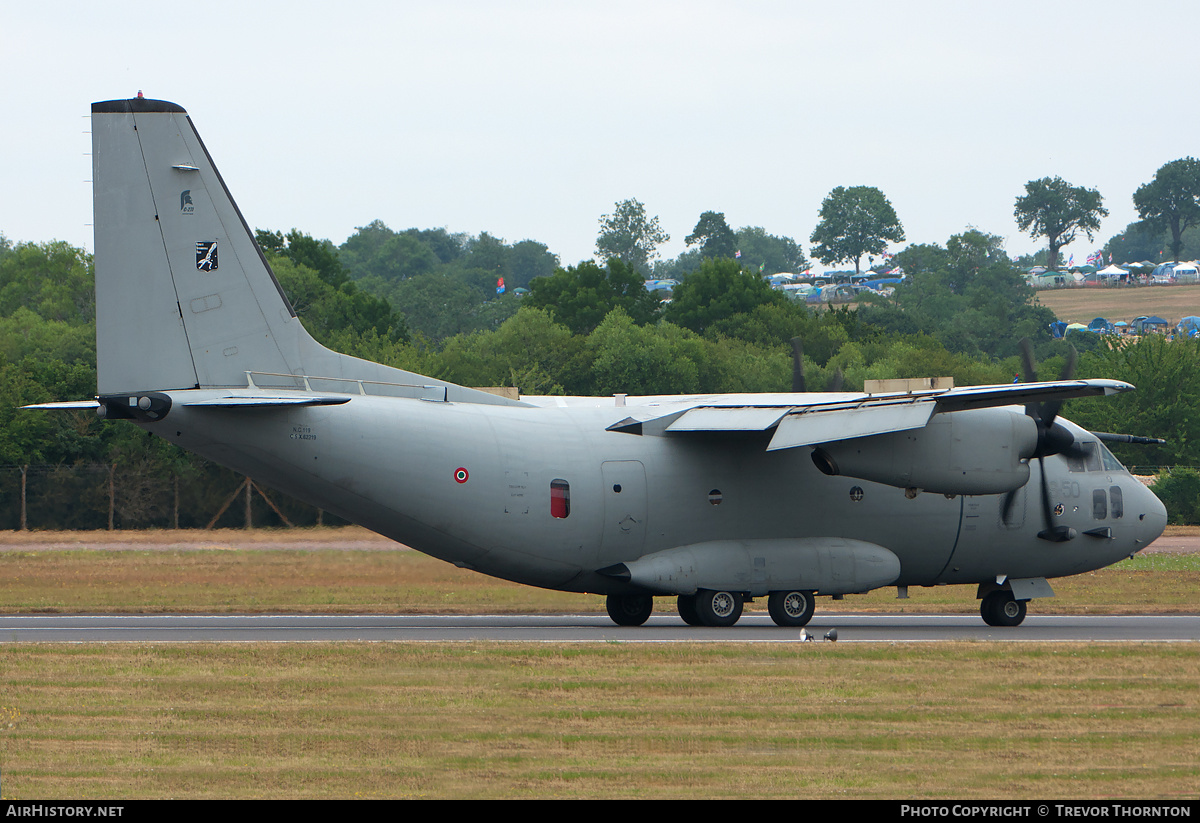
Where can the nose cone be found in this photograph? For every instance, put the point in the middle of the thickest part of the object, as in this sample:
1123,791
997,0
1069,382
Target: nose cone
1152,518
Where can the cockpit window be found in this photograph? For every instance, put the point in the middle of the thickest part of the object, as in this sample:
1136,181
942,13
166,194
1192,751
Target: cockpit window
1085,457
1111,464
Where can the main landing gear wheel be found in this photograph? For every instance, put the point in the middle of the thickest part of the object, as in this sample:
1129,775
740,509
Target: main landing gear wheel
1000,609
629,609
715,608
687,609
791,608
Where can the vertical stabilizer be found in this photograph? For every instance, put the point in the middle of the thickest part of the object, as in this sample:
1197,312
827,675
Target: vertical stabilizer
184,297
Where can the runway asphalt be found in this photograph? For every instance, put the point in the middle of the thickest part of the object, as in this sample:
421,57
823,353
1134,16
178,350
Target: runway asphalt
664,628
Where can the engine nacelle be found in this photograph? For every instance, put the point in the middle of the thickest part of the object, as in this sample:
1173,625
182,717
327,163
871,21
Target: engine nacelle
829,565
981,451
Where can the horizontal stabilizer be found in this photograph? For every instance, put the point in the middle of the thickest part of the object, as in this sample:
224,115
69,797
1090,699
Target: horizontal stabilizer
69,405
251,402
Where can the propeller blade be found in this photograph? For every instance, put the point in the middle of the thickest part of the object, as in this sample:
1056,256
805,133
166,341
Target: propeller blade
1046,511
1068,370
1055,534
1052,438
1051,408
836,383
1007,505
1028,372
1027,364
798,384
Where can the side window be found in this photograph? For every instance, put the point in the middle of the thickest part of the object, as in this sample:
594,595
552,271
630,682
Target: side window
560,498
1118,502
1099,504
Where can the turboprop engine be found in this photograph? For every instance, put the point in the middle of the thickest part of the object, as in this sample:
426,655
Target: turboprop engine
981,451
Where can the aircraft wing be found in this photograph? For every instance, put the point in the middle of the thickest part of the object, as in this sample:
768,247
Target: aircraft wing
799,421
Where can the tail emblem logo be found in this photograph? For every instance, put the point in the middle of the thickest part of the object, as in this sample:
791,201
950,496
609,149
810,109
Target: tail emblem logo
206,255
185,202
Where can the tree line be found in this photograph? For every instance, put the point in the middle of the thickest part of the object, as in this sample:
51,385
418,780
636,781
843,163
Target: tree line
430,301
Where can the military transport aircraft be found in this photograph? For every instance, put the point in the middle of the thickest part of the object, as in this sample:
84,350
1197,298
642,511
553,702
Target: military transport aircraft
713,500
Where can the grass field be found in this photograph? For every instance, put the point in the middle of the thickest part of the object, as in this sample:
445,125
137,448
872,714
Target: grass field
605,720
350,570
1079,305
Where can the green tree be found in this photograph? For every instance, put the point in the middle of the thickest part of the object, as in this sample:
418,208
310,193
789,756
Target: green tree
630,236
54,280
530,259
375,250
853,222
1141,241
325,308
632,359
968,295
528,351
1171,201
719,289
581,296
713,235
768,252
1167,376
1054,209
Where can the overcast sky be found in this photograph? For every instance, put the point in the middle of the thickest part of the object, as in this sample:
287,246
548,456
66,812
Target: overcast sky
529,120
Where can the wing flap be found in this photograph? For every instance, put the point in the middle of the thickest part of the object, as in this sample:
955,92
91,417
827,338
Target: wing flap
748,418
808,428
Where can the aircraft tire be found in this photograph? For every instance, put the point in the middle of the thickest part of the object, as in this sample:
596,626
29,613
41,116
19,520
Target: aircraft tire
687,609
629,609
718,608
793,609
1000,609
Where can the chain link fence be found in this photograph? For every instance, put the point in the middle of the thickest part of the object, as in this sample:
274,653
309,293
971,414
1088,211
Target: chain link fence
113,496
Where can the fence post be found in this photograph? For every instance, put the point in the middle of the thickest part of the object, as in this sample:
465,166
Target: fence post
112,496
24,522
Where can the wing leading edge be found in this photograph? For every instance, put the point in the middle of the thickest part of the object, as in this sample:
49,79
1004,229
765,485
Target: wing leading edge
843,417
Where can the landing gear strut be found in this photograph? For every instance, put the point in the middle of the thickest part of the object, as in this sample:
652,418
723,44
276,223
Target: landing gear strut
999,608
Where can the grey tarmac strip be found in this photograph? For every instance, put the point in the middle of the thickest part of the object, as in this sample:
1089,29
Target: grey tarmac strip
573,628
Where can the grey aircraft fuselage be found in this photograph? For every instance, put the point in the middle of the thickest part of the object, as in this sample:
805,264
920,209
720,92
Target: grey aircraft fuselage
472,485
711,499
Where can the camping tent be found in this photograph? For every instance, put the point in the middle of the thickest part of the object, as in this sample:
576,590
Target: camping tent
1190,326
1144,325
